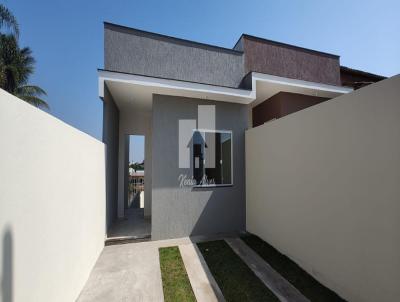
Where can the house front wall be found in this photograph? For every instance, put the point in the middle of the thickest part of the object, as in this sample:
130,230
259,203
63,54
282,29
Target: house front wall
179,211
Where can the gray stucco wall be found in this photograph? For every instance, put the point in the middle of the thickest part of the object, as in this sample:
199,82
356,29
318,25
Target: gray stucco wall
179,212
133,51
110,139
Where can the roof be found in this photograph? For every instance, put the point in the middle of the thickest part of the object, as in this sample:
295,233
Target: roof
250,37
169,38
361,73
209,46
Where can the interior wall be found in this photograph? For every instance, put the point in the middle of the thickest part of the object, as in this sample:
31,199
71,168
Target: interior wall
52,204
184,211
134,122
322,186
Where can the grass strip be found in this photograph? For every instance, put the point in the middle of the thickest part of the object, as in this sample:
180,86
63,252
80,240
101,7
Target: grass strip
292,272
176,284
235,279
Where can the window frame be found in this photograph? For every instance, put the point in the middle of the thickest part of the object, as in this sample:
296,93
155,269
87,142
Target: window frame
215,185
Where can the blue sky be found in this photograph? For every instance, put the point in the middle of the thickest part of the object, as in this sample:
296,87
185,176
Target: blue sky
67,37
136,148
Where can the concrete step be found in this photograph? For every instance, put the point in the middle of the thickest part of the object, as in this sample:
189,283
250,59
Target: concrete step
204,286
126,239
284,290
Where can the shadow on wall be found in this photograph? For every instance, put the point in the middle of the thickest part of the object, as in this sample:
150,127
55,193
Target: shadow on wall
223,212
7,267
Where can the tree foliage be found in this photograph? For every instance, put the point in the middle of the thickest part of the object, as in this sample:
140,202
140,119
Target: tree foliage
17,64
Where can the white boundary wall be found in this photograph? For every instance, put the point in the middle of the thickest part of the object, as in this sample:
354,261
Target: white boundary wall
52,204
323,187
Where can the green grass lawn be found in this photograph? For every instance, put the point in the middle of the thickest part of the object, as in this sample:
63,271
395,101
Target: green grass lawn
176,284
288,269
235,279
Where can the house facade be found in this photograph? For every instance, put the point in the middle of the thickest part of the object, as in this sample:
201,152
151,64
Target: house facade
193,103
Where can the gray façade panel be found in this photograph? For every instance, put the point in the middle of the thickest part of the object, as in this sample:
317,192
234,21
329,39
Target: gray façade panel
110,139
133,51
185,211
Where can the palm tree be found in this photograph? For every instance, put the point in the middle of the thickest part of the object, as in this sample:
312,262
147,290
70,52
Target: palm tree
137,166
16,65
8,20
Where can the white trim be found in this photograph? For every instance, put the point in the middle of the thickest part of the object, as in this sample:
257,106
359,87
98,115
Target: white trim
213,131
262,77
217,185
218,93
246,96
213,186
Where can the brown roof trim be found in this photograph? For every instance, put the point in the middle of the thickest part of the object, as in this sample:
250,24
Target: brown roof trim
254,38
157,36
360,72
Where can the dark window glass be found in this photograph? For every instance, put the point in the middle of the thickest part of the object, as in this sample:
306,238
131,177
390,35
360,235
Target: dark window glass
212,157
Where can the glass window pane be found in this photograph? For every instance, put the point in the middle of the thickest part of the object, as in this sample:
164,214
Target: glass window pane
198,157
212,158
226,158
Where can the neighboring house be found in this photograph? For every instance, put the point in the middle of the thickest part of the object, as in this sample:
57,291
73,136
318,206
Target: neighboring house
136,178
152,84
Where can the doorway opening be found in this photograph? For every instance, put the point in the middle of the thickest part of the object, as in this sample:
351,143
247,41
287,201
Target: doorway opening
134,225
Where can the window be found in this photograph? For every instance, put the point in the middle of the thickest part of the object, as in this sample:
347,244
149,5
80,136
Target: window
212,157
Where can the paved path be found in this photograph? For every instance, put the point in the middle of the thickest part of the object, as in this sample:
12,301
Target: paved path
126,272
133,226
131,272
285,291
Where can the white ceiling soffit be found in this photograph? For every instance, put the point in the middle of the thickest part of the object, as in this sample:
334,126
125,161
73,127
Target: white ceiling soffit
136,90
128,89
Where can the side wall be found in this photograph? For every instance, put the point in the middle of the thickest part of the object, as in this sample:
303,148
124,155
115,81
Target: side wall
177,211
323,187
111,139
52,204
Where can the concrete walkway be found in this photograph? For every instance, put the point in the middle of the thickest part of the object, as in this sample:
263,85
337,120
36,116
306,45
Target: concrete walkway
126,272
133,226
131,272
285,291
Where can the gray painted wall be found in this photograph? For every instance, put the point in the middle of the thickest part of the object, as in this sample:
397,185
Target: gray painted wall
110,139
179,212
133,51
